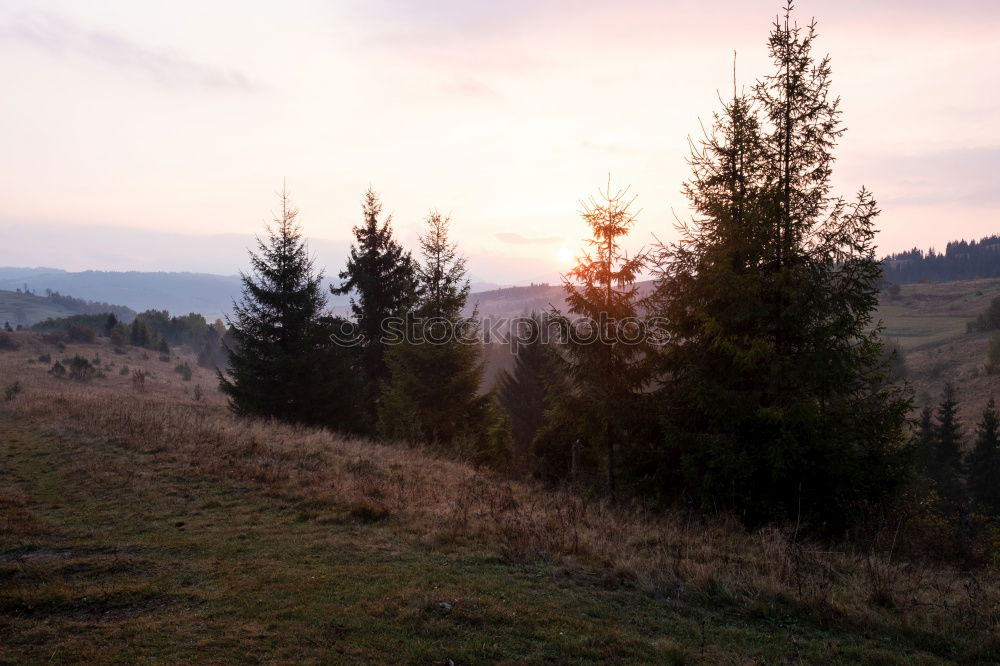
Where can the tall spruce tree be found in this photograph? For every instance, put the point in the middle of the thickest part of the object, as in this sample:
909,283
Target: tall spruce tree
775,392
380,278
603,350
984,462
276,363
945,467
435,374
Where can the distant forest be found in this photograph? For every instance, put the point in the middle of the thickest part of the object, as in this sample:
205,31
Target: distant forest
961,260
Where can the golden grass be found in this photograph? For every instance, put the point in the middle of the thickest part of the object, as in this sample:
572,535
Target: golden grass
437,501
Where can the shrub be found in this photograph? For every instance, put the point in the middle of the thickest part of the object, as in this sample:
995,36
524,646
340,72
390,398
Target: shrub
58,369
184,370
7,341
81,369
988,320
11,391
119,336
893,356
993,354
123,371
54,338
198,393
165,358
45,358
80,333
139,380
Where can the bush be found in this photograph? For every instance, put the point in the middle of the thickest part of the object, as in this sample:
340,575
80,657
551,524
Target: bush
81,369
184,370
139,380
80,333
988,320
123,371
893,356
165,358
11,391
7,341
54,338
58,369
993,354
198,393
119,336
45,358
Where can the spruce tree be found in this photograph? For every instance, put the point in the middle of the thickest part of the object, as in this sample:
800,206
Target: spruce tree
984,462
523,390
775,388
923,442
435,373
603,349
946,457
274,366
380,278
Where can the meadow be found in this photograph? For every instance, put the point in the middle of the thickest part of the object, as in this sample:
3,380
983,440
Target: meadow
928,321
149,524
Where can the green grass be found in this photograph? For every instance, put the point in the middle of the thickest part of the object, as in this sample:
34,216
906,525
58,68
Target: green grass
114,556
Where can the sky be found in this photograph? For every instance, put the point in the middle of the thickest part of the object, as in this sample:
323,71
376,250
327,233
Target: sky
154,136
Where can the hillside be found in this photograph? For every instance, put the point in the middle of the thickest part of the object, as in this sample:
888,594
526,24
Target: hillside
141,526
929,320
21,309
207,294
180,293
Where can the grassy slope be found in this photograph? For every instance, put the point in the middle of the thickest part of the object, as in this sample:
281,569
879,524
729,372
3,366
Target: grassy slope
929,321
119,557
26,309
124,537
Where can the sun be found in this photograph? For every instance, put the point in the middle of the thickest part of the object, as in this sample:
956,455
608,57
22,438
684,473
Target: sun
565,256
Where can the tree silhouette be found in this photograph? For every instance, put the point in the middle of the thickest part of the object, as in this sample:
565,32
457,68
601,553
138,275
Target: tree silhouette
279,363
946,456
774,384
523,390
984,462
433,393
603,349
380,277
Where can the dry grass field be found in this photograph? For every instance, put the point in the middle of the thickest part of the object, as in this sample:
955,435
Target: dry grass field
156,527
928,320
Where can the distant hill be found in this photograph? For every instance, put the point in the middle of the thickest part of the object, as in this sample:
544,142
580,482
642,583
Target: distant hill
207,294
26,309
180,293
516,301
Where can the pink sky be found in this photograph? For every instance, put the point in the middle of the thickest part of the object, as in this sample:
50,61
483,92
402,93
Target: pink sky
129,127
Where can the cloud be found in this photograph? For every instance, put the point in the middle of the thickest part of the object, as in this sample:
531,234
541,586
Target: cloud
59,36
518,239
471,88
969,176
